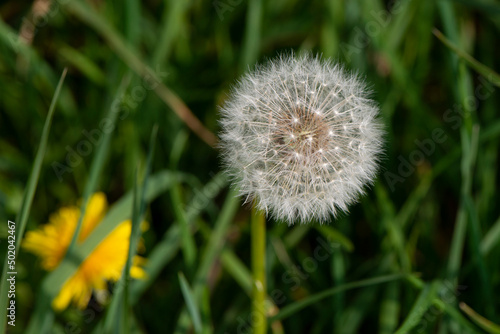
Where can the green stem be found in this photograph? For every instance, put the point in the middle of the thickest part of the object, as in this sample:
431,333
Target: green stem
258,231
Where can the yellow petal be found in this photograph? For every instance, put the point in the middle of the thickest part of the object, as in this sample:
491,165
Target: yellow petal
105,263
64,297
94,213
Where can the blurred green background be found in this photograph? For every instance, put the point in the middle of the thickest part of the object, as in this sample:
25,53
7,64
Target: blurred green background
432,216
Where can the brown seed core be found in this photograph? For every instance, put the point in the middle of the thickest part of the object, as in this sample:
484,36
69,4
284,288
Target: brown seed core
301,133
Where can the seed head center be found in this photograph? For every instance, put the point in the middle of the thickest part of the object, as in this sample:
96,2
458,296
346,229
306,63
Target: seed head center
301,134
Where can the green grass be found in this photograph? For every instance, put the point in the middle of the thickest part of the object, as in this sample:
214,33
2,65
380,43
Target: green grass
419,255
22,216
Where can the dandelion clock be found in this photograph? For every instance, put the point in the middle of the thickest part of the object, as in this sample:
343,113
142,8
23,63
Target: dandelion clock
300,138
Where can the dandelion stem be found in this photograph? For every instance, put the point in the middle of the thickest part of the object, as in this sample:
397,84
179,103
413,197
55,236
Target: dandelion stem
258,231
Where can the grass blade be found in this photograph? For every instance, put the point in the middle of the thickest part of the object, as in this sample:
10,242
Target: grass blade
457,317
96,169
447,307
83,12
423,302
491,239
213,249
459,232
169,245
37,165
191,303
29,193
205,311
217,240
299,305
482,69
54,280
251,41
334,235
83,64
237,269
121,290
188,244
175,12
390,309
481,321
352,317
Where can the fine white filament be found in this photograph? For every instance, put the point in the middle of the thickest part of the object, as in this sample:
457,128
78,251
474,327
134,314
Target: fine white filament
301,137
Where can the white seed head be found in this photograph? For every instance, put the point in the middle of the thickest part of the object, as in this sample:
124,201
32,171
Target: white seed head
300,137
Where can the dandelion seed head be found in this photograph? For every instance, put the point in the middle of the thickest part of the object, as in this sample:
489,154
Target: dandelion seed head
310,130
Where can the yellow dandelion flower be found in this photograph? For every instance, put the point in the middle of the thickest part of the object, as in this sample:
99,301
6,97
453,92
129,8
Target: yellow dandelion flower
105,263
